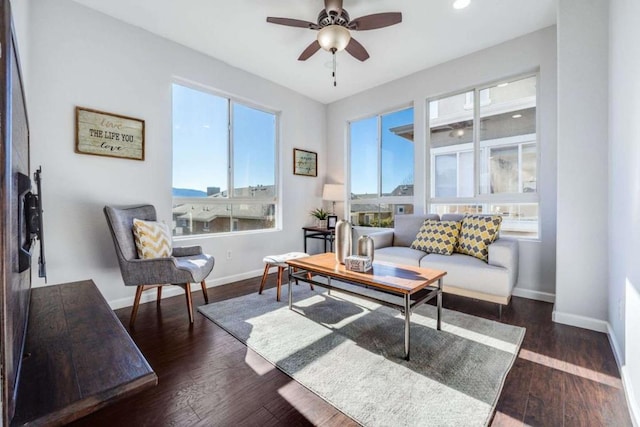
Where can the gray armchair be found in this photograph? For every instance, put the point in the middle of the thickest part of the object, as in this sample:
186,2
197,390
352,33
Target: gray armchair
186,265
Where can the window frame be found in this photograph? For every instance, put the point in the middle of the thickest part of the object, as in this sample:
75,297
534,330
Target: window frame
231,200
379,199
478,197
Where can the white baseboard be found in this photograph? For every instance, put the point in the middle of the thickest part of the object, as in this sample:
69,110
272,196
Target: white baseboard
632,403
536,295
617,352
579,321
171,291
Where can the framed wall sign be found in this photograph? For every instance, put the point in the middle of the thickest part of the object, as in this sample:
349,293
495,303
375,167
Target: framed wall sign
305,162
106,134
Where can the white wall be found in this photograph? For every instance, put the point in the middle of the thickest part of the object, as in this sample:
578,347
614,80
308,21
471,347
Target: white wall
582,266
515,57
624,192
79,57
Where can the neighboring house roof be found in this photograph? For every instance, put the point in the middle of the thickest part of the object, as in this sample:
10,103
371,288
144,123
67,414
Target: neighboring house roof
404,131
403,190
262,191
208,212
400,190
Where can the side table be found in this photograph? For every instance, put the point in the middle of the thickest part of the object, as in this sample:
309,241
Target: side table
325,234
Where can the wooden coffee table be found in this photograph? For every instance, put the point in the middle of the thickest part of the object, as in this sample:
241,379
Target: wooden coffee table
399,286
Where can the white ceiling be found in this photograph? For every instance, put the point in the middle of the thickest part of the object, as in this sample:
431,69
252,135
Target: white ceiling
236,32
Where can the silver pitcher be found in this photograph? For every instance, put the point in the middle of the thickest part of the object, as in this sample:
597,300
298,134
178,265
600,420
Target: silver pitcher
343,240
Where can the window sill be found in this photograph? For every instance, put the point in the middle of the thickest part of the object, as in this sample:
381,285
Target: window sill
226,234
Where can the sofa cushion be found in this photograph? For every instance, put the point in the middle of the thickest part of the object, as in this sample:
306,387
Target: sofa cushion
471,273
438,237
153,239
452,217
399,255
476,233
406,227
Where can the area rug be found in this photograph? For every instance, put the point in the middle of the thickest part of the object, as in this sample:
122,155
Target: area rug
349,351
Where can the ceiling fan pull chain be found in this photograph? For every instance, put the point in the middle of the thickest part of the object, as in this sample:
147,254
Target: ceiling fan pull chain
334,68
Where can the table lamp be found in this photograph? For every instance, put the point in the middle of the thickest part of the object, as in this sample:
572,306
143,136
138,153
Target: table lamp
333,193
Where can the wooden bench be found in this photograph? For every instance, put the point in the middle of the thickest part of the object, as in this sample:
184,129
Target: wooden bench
77,358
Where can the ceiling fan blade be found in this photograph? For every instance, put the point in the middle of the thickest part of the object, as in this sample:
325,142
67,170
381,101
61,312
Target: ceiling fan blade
309,51
334,6
289,22
377,20
357,50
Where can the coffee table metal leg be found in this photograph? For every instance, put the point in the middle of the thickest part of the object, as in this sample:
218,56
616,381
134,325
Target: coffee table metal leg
407,325
290,289
439,302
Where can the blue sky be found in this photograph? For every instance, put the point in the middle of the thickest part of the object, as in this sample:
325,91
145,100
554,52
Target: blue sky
200,135
397,153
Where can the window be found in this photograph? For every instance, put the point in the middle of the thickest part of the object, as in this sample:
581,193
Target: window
381,168
484,154
224,164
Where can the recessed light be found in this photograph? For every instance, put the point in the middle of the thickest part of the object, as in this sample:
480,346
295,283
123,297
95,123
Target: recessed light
503,84
461,4
516,116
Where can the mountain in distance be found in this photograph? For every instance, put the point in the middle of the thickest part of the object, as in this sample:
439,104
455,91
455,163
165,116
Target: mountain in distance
188,192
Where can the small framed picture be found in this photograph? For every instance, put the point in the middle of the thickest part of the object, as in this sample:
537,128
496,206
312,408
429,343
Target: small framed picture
332,220
305,162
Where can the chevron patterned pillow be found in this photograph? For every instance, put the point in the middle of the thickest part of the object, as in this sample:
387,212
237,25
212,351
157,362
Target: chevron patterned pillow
477,232
437,237
153,239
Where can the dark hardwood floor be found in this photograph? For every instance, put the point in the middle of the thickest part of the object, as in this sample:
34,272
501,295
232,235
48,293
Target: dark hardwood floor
564,376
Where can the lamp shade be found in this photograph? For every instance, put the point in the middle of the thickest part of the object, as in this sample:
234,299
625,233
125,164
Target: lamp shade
334,38
333,192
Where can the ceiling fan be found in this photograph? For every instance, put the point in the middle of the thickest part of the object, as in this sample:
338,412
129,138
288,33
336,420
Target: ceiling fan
334,30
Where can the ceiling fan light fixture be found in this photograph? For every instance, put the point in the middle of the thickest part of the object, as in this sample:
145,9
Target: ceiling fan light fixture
456,133
334,38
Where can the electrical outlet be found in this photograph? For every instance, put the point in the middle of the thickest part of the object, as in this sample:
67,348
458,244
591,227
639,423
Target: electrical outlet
229,254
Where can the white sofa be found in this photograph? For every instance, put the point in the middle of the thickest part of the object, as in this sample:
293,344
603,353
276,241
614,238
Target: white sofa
466,275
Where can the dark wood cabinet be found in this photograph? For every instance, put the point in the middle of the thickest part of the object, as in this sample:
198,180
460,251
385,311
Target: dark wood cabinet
78,357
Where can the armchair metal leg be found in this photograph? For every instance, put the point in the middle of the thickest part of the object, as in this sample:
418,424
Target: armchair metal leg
159,295
136,303
187,291
204,292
